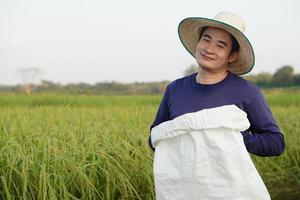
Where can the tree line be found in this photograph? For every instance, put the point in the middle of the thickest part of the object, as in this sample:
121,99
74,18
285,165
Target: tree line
283,77
104,88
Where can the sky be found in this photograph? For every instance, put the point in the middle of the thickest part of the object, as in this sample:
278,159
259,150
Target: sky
72,41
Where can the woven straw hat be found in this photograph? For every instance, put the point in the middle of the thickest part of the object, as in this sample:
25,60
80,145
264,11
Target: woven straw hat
190,28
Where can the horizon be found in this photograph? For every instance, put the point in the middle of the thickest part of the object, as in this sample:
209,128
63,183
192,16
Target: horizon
118,82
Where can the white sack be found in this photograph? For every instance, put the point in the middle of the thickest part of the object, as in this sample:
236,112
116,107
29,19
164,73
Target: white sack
202,156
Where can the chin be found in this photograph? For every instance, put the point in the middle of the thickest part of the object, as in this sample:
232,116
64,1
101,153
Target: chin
205,65
208,68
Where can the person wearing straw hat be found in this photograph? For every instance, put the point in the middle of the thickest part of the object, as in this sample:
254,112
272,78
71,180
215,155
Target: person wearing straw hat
222,52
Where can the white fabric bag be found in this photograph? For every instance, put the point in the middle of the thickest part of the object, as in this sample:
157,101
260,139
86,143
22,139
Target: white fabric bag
202,156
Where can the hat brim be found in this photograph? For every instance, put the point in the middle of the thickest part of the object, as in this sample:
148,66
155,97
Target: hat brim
190,28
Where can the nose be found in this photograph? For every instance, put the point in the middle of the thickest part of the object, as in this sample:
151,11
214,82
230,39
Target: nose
209,48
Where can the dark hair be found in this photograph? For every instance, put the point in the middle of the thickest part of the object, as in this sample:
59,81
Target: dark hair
235,45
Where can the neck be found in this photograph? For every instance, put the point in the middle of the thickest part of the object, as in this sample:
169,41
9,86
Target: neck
206,77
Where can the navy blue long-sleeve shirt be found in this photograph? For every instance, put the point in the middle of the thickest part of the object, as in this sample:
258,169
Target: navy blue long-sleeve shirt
185,95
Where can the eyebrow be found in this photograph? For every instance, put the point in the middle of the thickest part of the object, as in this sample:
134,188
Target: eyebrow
208,36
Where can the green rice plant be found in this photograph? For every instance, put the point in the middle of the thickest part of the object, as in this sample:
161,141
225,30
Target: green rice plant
95,147
75,153
282,174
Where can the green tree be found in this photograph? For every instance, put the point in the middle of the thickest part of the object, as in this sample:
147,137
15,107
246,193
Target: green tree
284,76
264,79
296,79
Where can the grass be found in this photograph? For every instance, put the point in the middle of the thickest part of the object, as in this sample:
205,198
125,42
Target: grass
95,147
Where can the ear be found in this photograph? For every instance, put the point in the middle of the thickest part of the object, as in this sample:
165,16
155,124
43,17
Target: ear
233,56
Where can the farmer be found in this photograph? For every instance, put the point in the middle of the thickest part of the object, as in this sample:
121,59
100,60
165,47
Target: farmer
223,53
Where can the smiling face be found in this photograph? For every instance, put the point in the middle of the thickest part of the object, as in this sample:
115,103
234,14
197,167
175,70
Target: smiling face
213,52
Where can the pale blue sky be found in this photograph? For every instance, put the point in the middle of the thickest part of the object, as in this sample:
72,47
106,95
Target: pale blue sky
126,41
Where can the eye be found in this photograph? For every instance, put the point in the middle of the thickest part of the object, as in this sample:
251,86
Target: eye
205,39
220,46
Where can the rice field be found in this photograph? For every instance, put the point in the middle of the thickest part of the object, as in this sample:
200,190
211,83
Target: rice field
95,147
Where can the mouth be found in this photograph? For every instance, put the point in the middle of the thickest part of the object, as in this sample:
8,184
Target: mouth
205,57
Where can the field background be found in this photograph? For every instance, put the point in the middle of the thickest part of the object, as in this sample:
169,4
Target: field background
95,147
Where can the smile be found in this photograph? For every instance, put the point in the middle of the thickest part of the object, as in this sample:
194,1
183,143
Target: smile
206,57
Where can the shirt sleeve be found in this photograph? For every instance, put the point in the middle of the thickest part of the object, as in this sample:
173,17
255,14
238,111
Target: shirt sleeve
162,113
263,138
